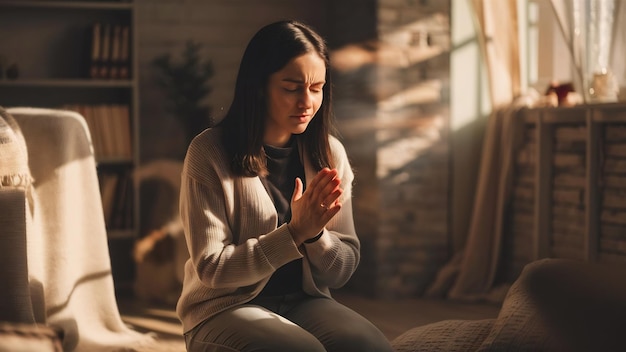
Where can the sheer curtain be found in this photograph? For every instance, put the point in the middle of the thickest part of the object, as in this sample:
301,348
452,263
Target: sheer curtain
591,30
471,273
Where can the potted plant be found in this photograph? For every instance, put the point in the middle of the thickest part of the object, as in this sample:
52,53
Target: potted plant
186,84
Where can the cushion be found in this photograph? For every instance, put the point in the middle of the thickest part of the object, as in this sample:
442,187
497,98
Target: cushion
519,326
583,303
444,336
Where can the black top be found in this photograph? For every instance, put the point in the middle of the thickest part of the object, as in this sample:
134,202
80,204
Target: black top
283,165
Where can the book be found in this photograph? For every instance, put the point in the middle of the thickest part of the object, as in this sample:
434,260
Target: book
124,131
124,60
106,129
105,51
116,42
109,187
123,207
94,67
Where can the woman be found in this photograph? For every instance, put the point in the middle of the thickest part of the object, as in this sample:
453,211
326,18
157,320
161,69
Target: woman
265,203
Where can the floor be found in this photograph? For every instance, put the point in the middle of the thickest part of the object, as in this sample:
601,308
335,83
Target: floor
391,317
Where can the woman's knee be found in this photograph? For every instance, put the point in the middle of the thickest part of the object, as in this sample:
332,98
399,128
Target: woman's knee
258,331
258,343
358,337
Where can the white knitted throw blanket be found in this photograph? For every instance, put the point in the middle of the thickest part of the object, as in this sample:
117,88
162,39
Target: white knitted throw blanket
68,258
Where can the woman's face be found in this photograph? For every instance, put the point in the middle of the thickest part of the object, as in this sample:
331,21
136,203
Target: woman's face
294,97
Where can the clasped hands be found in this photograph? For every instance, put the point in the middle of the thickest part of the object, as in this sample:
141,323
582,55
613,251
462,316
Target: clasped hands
312,209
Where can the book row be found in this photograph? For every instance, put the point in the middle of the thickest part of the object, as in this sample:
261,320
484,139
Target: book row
116,191
110,129
110,48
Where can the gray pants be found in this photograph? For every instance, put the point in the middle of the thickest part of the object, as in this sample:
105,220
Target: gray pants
293,323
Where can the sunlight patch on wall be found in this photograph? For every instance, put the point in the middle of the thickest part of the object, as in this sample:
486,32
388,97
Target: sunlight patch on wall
353,56
396,155
421,93
403,46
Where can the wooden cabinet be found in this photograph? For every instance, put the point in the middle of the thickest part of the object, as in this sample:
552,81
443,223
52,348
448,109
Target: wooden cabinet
46,60
568,196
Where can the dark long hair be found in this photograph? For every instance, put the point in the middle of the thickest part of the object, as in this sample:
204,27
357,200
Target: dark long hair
271,48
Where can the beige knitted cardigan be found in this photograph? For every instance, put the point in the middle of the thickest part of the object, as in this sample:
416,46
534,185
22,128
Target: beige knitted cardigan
234,244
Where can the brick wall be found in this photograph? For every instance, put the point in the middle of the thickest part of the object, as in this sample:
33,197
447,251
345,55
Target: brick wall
392,106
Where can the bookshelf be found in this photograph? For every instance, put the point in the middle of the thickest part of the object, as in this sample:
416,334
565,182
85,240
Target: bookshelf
47,50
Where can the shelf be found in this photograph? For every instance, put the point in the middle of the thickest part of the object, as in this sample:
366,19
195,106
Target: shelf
67,83
573,204
95,5
52,45
602,113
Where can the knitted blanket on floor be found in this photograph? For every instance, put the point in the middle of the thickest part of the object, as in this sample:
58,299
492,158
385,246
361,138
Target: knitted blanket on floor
68,258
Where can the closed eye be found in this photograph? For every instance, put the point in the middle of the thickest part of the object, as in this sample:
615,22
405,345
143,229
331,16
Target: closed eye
294,85
318,87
